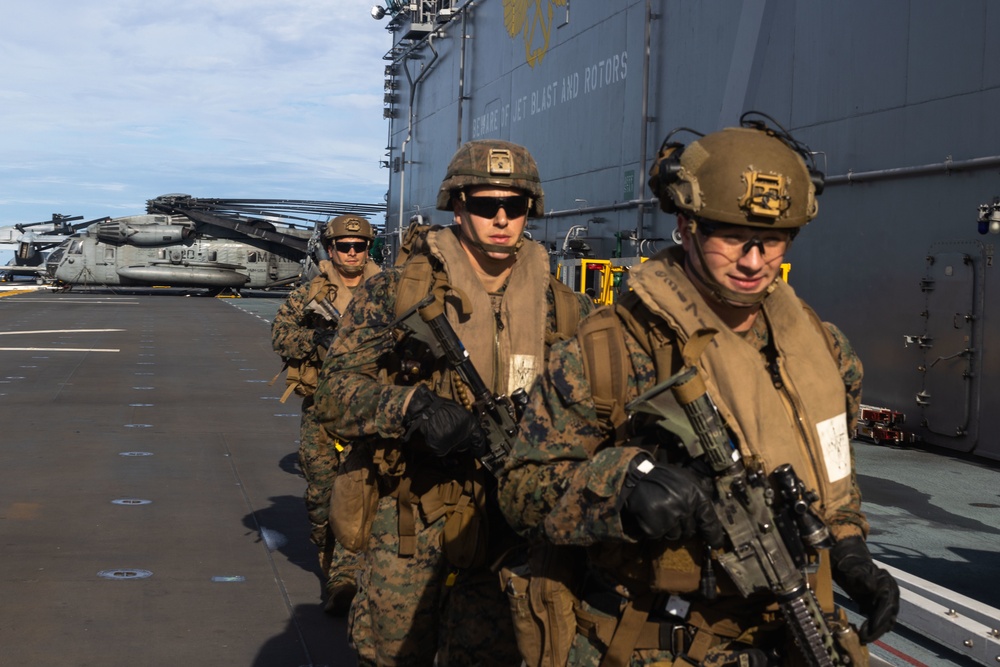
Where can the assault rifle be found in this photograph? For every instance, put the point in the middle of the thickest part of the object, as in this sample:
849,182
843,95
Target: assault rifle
769,525
498,414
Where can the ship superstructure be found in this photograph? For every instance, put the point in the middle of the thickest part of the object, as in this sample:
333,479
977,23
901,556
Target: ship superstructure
896,98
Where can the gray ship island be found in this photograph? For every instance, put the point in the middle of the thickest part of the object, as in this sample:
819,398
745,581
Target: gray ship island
893,97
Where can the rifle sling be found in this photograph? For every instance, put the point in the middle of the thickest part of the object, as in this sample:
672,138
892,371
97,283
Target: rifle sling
822,583
689,641
627,632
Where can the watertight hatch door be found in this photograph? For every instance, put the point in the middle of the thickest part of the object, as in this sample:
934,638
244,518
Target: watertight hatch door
951,359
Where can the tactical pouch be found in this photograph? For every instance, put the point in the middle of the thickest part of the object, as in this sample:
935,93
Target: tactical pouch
302,378
465,536
354,499
527,627
542,608
661,566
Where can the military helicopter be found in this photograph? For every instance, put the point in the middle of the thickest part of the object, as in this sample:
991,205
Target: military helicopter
34,240
182,241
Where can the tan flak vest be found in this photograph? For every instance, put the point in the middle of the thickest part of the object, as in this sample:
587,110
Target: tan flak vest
510,357
804,424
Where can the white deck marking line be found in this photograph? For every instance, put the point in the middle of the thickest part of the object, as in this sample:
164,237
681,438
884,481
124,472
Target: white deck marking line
58,349
87,301
48,331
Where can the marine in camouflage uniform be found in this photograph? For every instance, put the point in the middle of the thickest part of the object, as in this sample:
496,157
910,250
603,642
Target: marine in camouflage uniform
426,596
622,496
300,334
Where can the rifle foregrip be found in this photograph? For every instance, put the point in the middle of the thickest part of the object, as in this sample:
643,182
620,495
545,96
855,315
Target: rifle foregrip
691,393
810,631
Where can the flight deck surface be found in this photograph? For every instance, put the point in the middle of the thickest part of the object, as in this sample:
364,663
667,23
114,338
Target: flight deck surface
151,503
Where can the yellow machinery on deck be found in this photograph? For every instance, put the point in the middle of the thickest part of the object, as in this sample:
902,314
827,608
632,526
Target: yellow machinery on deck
603,279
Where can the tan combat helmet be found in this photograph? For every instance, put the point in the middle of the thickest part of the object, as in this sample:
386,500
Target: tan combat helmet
348,225
492,162
751,175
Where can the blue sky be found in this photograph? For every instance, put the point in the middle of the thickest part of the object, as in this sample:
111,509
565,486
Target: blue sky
107,103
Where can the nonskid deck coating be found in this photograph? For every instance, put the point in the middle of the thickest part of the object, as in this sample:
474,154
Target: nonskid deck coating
165,400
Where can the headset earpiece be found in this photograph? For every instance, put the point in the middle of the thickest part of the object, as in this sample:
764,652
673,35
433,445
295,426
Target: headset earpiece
665,172
818,179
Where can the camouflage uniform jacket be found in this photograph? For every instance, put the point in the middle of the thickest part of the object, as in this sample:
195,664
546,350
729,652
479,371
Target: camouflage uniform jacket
563,479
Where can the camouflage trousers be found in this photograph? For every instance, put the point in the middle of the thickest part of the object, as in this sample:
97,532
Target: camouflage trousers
409,610
319,459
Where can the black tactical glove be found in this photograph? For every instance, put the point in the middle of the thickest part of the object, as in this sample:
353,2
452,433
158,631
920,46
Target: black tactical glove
873,589
447,427
666,501
323,337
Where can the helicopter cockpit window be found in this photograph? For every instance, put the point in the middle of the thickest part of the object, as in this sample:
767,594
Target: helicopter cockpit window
76,247
56,256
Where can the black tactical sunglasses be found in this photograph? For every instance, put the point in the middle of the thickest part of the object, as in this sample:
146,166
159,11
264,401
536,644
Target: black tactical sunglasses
487,207
347,246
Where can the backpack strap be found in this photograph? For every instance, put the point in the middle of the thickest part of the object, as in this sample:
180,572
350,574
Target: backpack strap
606,360
567,308
626,635
290,385
605,363
415,283
414,241
422,273
418,274
648,331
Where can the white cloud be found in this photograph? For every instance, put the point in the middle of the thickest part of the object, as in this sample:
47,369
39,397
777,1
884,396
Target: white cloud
107,103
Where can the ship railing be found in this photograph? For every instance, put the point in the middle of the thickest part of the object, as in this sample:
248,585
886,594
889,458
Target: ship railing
963,625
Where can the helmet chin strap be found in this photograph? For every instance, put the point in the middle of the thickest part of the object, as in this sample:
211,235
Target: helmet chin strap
723,295
351,270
